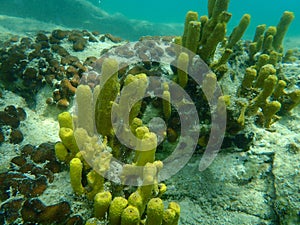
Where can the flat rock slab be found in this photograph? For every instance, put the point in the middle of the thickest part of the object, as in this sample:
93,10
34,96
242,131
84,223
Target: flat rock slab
259,186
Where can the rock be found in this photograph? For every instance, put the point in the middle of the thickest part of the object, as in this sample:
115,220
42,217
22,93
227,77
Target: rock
27,150
21,114
59,34
11,210
6,119
113,38
89,61
2,137
16,136
30,73
60,50
35,211
75,220
19,160
79,45
44,152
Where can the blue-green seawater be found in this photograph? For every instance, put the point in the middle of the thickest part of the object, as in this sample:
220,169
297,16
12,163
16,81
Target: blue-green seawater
169,11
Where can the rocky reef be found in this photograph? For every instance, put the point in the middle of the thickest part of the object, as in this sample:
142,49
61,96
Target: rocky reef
133,118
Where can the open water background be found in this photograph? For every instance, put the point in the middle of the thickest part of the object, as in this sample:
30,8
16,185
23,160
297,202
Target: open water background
173,11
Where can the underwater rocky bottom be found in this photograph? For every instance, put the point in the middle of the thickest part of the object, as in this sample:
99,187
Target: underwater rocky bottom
253,179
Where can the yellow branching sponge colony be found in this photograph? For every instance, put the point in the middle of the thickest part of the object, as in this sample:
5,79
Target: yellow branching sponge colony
262,93
90,158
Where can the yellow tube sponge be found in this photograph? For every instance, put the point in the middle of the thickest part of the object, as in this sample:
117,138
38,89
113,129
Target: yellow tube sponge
289,56
269,110
75,176
264,72
252,50
260,29
272,30
139,133
130,216
65,120
249,77
219,7
210,7
67,137
146,189
190,16
268,38
166,104
261,99
130,101
223,60
169,217
175,206
209,85
269,85
162,188
293,99
85,108
279,89
116,208
102,201
263,59
193,36
136,122
267,45
214,38
155,211
182,65
238,31
61,151
241,118
149,179
146,151
274,58
136,200
95,182
282,28
177,45
109,90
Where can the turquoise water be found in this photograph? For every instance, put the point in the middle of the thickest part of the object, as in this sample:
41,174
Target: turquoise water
78,14
262,11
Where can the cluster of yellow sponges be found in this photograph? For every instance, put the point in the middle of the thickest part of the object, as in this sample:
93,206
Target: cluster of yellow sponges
202,35
263,88
118,210
263,85
89,159
272,96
